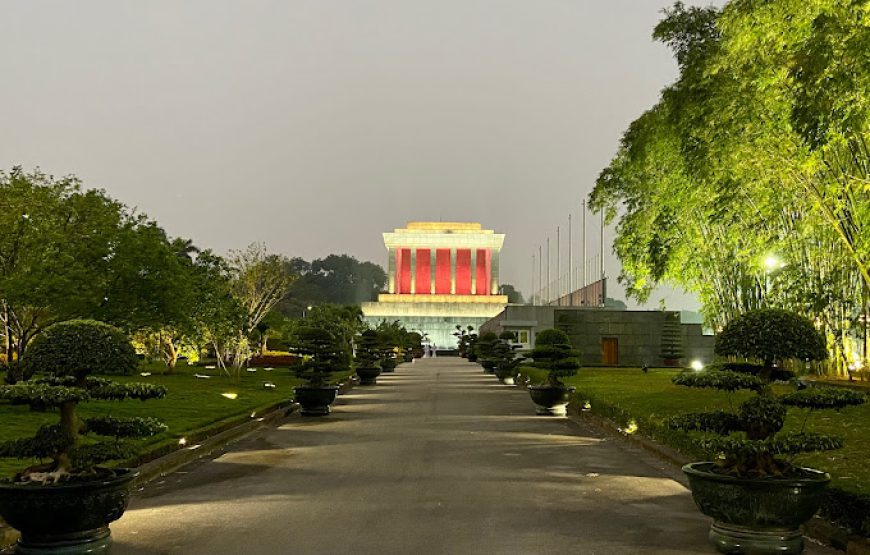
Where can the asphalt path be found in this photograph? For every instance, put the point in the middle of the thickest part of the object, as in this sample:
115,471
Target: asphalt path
437,458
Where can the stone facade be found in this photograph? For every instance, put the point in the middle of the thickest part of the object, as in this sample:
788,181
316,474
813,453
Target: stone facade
609,337
440,275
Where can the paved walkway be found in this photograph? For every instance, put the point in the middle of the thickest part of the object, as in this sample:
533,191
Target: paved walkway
437,458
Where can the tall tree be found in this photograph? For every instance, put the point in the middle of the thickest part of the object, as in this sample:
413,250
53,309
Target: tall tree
748,181
260,280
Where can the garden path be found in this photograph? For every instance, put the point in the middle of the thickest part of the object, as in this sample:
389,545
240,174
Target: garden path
438,458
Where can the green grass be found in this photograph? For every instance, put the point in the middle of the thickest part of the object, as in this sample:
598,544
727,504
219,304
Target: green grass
625,394
192,404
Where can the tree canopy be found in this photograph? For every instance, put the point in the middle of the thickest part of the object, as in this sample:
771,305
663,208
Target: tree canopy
748,181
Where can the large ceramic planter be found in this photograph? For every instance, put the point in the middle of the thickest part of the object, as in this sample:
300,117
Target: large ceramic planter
368,376
472,358
388,365
314,400
756,515
550,400
488,366
69,518
505,377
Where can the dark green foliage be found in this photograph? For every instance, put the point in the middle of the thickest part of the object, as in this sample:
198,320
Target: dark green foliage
465,339
776,374
824,398
370,350
124,427
42,395
324,354
553,351
68,352
485,344
95,453
787,444
336,279
723,380
762,416
508,336
719,422
49,442
111,391
506,361
771,335
60,350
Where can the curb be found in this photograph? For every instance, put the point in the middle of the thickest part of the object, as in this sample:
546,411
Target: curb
818,529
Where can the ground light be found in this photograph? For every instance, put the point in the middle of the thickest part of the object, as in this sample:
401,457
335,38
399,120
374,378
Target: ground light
697,365
230,395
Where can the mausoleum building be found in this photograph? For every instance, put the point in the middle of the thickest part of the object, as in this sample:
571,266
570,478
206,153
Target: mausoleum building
440,274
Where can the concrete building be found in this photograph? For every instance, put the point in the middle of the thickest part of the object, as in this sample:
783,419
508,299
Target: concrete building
610,337
439,275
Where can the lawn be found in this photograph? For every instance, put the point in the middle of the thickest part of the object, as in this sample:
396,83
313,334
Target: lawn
191,404
625,394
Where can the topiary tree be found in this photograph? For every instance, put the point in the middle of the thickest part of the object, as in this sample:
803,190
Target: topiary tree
63,357
553,351
505,359
750,443
323,355
508,336
465,338
484,345
370,350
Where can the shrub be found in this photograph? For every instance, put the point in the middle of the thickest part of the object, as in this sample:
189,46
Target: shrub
323,354
370,350
80,347
485,344
553,352
68,353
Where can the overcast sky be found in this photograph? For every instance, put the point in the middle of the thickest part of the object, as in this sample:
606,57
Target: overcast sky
316,125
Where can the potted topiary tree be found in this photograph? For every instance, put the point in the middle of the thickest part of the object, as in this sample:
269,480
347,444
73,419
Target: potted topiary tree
392,336
368,357
484,350
507,363
553,352
323,355
65,505
757,497
464,339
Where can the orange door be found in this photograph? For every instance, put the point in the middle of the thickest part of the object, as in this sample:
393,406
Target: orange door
610,351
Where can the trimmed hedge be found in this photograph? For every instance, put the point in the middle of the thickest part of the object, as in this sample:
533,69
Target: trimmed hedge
78,348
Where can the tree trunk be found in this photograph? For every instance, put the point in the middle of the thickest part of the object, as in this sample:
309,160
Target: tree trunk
70,422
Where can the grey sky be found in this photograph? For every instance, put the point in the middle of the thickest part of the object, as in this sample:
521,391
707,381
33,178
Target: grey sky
316,125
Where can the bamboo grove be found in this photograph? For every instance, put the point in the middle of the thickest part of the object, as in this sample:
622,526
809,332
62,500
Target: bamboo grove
749,181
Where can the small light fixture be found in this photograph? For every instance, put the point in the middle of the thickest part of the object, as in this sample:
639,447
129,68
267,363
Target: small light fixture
182,441
230,395
697,365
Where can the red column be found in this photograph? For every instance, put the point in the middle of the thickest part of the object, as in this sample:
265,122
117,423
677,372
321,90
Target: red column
423,270
463,271
481,273
442,271
404,265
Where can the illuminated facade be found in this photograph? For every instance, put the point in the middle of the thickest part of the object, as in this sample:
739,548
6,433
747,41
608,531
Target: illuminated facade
440,274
